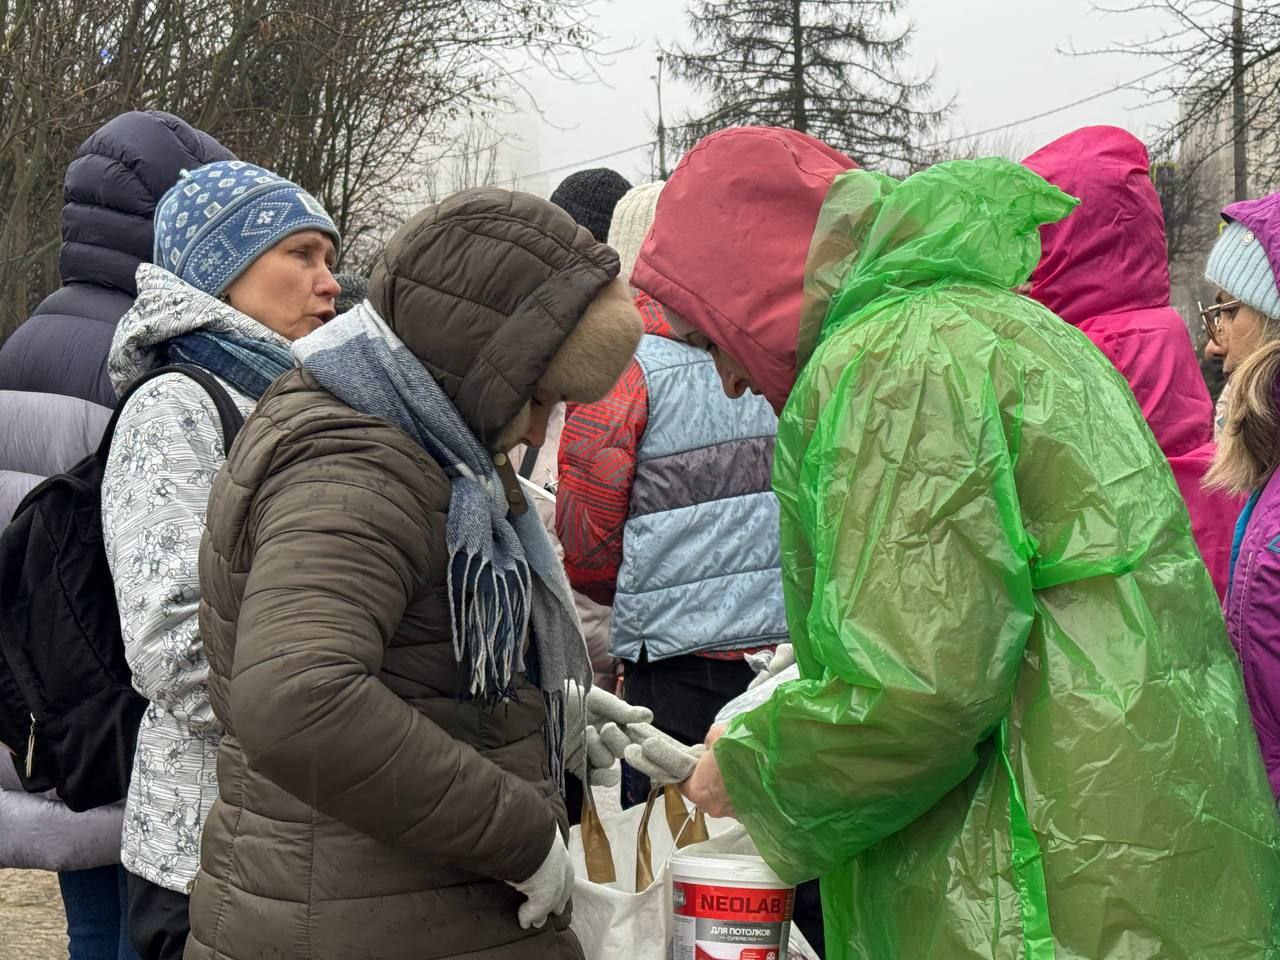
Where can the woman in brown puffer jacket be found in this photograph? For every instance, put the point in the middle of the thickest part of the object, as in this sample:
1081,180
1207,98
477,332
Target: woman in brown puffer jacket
388,776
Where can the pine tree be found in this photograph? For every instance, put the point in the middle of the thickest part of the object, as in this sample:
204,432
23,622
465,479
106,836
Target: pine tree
829,68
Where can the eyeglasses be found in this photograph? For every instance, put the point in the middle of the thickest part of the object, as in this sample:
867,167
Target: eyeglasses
1211,317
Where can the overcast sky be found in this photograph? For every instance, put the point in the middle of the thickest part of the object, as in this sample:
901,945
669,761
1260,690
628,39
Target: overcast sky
1002,60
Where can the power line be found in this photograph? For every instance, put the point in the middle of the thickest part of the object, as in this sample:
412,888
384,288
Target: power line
1047,113
937,143
570,166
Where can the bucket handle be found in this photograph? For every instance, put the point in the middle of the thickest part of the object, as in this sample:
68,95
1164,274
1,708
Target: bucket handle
686,828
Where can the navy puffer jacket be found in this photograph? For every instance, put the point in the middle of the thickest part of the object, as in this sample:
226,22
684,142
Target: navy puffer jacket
54,395
112,187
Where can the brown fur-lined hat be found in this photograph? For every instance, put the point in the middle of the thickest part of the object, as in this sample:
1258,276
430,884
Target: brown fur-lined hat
488,287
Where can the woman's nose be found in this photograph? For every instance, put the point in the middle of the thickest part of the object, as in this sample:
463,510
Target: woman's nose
328,287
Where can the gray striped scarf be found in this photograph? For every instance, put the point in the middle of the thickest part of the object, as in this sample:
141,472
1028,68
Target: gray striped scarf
504,576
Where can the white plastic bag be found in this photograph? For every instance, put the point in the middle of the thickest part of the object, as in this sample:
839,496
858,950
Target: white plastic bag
614,921
755,696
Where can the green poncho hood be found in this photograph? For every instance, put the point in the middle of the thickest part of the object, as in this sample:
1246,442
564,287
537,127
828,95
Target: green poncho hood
975,220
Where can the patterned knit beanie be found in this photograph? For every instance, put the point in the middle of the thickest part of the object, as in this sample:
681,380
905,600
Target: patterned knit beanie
219,218
1238,264
632,218
589,196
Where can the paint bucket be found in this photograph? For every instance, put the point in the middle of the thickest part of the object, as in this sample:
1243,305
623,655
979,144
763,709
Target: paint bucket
728,907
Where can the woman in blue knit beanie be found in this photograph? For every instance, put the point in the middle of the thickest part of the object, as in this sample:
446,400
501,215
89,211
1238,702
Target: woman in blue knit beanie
243,265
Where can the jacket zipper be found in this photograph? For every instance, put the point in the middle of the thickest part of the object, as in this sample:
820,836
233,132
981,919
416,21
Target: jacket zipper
31,747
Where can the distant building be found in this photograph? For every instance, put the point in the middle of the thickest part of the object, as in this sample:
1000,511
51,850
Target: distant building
520,153
1194,190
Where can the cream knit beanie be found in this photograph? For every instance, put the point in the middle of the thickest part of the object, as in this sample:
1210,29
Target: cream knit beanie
632,218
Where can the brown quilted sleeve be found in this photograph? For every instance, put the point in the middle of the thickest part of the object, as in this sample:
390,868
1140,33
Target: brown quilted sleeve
343,532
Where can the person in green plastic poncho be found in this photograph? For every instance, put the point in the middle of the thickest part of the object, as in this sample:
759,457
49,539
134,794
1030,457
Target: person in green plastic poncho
1019,731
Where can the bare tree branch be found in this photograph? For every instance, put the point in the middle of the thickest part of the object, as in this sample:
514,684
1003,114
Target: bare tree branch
346,97
1222,67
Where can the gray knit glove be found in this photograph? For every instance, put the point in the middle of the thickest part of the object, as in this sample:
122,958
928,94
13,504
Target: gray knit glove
590,754
584,748
661,758
550,888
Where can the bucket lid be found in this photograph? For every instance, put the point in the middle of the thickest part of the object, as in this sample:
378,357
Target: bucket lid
724,867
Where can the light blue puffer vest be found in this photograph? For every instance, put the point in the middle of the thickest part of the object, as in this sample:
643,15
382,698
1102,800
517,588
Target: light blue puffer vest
700,557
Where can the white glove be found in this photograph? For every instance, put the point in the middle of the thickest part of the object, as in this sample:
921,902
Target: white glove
661,758
584,749
603,707
664,760
756,695
590,754
783,657
550,888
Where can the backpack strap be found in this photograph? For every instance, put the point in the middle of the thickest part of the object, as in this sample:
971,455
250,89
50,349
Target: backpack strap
529,462
228,413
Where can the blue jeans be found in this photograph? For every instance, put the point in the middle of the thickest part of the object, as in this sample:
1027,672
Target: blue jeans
96,902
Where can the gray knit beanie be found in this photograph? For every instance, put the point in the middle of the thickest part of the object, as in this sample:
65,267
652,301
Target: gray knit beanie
1238,264
354,288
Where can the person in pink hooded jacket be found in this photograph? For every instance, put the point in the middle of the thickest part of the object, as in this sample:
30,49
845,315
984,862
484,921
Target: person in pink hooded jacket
1105,270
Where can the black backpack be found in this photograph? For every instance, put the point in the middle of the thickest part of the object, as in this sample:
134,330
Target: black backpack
67,704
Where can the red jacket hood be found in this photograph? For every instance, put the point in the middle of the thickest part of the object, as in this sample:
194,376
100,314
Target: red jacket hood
730,238
1109,256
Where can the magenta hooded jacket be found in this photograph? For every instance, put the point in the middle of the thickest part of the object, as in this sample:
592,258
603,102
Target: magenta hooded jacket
1253,603
1253,620
1105,270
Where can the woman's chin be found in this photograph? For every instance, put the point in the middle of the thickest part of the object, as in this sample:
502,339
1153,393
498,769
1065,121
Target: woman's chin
307,325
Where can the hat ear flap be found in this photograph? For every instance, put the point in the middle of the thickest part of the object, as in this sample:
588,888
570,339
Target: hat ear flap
596,353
